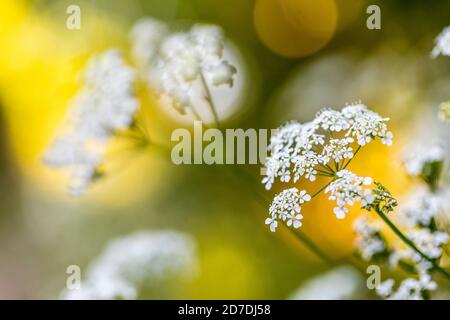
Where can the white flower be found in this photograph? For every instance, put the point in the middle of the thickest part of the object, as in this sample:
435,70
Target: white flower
286,206
105,104
409,289
338,284
146,36
427,241
416,159
422,206
346,190
179,59
442,44
368,239
138,260
301,150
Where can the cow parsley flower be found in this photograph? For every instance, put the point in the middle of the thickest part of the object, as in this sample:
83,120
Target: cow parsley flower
409,289
442,44
417,160
347,189
174,61
286,206
314,148
422,207
427,241
132,262
105,104
369,240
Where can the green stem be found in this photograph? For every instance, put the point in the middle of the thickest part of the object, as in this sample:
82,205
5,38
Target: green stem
411,244
209,99
260,199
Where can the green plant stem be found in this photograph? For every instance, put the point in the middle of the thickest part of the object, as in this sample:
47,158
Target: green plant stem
299,235
411,244
209,99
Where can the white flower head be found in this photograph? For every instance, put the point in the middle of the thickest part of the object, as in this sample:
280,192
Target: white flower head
416,159
286,207
132,262
442,44
146,36
409,289
186,57
105,104
330,140
368,238
347,189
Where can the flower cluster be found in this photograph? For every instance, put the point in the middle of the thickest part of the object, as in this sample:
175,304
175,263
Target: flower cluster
409,289
369,241
442,44
131,262
104,105
173,61
420,160
286,206
347,189
304,150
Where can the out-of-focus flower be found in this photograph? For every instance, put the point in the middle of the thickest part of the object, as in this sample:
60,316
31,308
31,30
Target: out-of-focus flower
427,241
338,284
347,189
422,207
286,206
173,61
442,44
418,159
409,289
134,261
104,105
444,111
369,240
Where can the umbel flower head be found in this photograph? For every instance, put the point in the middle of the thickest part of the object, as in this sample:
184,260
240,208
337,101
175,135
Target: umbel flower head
132,262
409,289
323,147
105,104
369,241
173,61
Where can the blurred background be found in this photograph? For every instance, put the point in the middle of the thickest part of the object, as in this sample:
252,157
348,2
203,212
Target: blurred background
296,57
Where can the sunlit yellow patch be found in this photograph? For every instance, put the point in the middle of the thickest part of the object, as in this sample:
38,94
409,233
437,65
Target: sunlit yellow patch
295,28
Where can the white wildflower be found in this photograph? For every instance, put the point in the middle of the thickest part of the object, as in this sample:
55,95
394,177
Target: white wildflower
286,207
368,238
422,207
105,104
139,260
442,44
306,150
146,36
347,189
338,284
409,289
429,242
177,60
416,159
